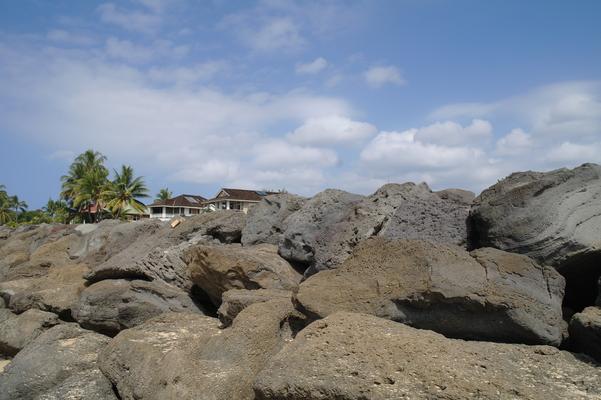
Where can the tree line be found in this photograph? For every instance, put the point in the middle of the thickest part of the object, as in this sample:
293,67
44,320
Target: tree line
88,194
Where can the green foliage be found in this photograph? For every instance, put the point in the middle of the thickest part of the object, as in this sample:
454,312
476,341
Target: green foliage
120,195
164,194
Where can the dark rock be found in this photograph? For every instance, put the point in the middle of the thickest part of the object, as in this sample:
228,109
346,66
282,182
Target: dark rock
325,231
216,269
112,305
553,217
585,332
61,363
195,359
488,295
356,356
16,331
265,220
235,300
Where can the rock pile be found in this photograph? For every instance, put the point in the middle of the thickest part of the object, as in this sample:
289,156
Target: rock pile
403,294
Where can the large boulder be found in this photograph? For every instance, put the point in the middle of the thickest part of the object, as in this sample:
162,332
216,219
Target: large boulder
486,295
235,300
585,332
553,217
351,356
216,269
58,291
196,359
157,252
112,305
265,220
16,331
61,363
325,231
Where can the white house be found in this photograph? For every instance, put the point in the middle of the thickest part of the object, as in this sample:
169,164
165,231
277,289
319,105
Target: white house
184,204
236,199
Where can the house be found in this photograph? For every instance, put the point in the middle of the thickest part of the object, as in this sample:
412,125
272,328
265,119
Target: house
184,204
236,199
133,214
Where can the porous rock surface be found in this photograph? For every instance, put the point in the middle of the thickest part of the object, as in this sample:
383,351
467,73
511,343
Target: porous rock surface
265,222
61,363
349,356
16,331
585,332
486,295
235,300
112,305
326,229
196,359
216,269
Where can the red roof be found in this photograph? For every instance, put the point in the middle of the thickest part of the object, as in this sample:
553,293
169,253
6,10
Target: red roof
183,200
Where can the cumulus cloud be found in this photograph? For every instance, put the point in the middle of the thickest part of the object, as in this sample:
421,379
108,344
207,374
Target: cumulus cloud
569,153
187,75
515,142
383,75
451,133
134,53
269,34
313,67
279,153
131,20
332,130
66,37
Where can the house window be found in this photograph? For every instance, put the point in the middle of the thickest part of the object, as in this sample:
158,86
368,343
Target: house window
194,211
157,210
168,210
235,205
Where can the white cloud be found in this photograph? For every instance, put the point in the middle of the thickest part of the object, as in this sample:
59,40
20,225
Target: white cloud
561,111
332,129
382,75
313,67
403,149
279,153
515,142
273,34
62,36
133,53
187,75
574,153
451,133
138,21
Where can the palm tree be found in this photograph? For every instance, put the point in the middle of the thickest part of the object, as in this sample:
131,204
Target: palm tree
17,204
123,191
6,213
85,181
88,191
164,194
56,209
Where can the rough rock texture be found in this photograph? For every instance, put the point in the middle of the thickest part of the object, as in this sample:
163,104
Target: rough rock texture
324,232
235,300
61,363
216,269
112,305
196,359
58,291
488,295
265,220
553,217
354,356
585,332
157,253
16,331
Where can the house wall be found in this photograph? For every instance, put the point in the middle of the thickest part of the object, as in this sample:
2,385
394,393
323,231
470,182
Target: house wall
168,212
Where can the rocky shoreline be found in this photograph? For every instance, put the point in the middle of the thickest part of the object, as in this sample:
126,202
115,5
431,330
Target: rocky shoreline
403,294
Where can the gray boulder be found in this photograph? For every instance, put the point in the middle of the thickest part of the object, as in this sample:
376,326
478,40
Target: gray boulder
196,359
157,254
216,269
16,331
112,305
325,231
585,332
553,217
349,356
235,300
486,295
265,220
61,363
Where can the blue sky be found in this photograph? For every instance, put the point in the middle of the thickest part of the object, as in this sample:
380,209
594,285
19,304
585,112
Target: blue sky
297,95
